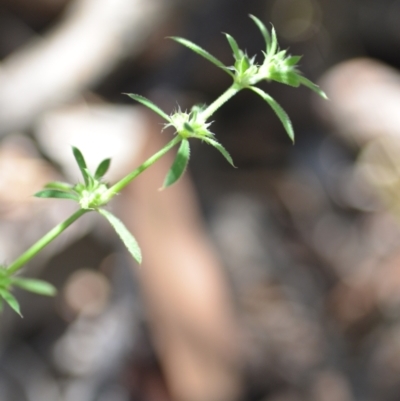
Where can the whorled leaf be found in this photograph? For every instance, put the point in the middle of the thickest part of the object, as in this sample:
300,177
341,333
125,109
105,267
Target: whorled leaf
242,64
287,77
282,115
54,193
204,53
306,82
274,42
292,60
179,165
33,285
5,281
102,169
11,300
221,149
188,127
263,30
149,104
3,272
234,46
89,181
61,186
81,163
127,238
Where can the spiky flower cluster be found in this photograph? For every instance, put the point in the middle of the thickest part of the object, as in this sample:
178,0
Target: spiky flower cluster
190,125
88,194
277,66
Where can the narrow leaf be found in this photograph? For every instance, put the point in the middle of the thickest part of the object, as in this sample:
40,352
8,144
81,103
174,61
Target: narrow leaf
274,42
62,186
5,282
197,49
3,273
234,46
54,193
263,30
288,78
179,165
306,82
281,55
11,300
89,180
188,127
221,149
81,163
37,286
126,237
293,60
148,103
102,169
242,64
282,115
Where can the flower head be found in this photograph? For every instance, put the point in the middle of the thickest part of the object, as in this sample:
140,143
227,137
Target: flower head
190,125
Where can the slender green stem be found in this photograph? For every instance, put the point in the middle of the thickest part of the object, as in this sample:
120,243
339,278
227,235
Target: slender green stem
44,241
214,106
117,187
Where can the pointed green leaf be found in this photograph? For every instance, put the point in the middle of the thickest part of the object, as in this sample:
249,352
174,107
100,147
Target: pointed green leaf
293,60
188,127
79,157
81,163
234,46
221,149
11,300
274,42
126,237
148,103
54,193
288,78
5,282
281,55
102,169
89,181
264,31
282,115
306,82
3,273
61,186
179,165
242,64
37,286
197,49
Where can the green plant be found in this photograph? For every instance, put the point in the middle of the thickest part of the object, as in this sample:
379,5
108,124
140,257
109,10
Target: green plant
93,194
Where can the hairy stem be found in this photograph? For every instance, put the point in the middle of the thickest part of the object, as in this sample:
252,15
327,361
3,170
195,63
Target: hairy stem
44,241
116,188
216,104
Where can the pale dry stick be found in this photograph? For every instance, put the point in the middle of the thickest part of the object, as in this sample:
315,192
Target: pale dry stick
187,296
93,37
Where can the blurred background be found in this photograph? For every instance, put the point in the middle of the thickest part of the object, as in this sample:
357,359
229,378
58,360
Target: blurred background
275,281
